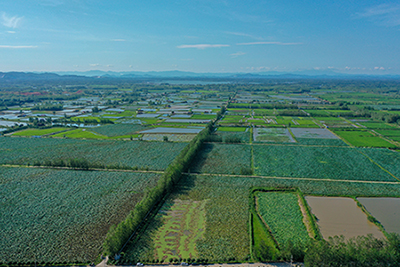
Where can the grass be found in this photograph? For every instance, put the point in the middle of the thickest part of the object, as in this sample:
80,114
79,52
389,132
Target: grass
62,216
316,162
363,139
39,132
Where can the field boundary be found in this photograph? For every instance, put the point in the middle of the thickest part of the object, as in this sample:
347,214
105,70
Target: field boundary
294,178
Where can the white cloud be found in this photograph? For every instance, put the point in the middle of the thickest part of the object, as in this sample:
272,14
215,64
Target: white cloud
237,54
384,14
244,35
269,43
17,46
11,32
94,65
11,22
118,40
203,46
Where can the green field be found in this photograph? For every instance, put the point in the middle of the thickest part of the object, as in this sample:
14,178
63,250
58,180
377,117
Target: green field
363,139
281,211
39,132
222,158
232,129
112,130
62,216
18,150
316,162
226,235
80,134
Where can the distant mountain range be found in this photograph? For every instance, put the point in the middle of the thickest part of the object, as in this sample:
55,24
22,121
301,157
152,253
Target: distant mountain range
96,74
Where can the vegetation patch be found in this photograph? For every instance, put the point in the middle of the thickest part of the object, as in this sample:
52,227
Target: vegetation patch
317,162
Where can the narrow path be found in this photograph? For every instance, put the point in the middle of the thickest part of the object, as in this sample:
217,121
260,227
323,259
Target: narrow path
294,178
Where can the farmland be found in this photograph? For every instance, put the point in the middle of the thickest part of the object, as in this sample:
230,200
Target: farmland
41,212
197,173
24,151
281,211
316,162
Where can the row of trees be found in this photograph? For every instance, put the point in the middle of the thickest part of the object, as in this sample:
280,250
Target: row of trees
119,234
359,251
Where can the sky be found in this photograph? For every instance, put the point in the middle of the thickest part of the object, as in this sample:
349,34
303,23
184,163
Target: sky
348,36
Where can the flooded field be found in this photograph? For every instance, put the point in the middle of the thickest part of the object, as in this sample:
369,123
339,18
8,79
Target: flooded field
341,216
385,210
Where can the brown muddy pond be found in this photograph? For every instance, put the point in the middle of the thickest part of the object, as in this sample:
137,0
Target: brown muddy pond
341,216
385,210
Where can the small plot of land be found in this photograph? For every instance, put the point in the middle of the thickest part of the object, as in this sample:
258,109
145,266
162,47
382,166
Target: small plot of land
388,159
232,129
176,228
313,133
385,210
320,142
222,158
63,215
316,162
231,137
118,129
23,151
169,137
281,211
171,130
280,135
224,230
364,139
39,132
341,216
377,125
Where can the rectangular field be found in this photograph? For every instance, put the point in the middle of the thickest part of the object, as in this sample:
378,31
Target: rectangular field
316,162
23,151
223,159
62,216
281,211
363,139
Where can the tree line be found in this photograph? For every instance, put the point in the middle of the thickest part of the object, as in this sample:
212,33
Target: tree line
118,235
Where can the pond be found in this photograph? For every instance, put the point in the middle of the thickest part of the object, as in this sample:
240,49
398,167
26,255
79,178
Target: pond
341,216
385,210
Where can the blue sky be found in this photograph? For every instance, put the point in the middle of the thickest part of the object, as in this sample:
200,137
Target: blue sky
200,35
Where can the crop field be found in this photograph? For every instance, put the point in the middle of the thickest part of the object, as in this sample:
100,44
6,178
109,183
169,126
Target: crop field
80,134
232,129
59,216
244,137
222,158
39,132
281,211
226,232
388,159
16,150
170,137
363,139
112,130
174,231
313,133
280,135
377,125
316,162
320,142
